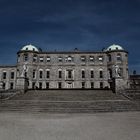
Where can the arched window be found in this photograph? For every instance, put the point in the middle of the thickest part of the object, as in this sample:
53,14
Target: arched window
109,58
18,59
60,73
119,57
34,74
26,57
47,73
40,73
101,73
83,73
92,73
109,73
34,58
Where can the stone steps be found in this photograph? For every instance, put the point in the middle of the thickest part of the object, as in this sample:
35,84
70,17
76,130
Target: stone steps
68,95
93,106
68,101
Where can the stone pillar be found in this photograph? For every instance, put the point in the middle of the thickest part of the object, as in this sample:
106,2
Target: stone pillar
120,85
22,83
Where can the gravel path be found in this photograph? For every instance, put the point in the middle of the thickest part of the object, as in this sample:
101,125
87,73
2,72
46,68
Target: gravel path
100,126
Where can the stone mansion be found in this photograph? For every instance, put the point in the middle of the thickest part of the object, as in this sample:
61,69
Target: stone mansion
67,70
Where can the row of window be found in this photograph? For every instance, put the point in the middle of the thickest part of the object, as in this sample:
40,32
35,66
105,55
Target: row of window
61,59
118,57
71,59
69,74
83,85
4,75
11,85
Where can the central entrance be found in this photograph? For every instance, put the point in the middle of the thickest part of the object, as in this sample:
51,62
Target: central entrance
69,85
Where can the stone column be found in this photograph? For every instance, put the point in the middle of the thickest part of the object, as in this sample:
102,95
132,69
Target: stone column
22,83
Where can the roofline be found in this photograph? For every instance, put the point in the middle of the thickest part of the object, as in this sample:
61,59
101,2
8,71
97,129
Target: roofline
61,52
70,52
116,51
8,66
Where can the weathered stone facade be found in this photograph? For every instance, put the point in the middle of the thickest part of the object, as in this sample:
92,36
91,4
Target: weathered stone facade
73,69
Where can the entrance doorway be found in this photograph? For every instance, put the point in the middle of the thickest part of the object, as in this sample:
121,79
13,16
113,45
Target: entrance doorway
69,85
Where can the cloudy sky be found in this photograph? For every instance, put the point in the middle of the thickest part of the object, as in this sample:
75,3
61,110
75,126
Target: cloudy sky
65,24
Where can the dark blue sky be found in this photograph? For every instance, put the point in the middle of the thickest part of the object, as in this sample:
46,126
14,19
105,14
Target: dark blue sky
66,24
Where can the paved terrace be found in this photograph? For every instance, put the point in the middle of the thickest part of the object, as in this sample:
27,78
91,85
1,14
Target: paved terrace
102,126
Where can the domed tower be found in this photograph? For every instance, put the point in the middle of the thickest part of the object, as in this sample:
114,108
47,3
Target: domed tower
27,59
117,66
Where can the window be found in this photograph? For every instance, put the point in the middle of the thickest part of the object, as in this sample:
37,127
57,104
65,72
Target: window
34,58
4,75
18,59
48,59
60,74
11,85
69,59
101,85
109,73
83,73
48,74
101,74
26,74
91,58
3,86
33,85
100,58
120,72
60,59
69,74
12,75
47,85
109,58
40,74
40,85
92,74
41,59
25,57
83,84
83,58
92,84
34,73
119,58
59,85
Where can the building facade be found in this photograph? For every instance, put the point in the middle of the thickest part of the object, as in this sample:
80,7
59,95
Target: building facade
62,70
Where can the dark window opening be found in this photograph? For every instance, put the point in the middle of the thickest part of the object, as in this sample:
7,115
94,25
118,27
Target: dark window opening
69,74
25,57
101,85
33,85
92,73
83,84
83,74
34,73
4,75
92,84
47,85
41,74
59,85
48,74
101,74
35,58
109,58
12,75
3,86
11,85
40,85
60,74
